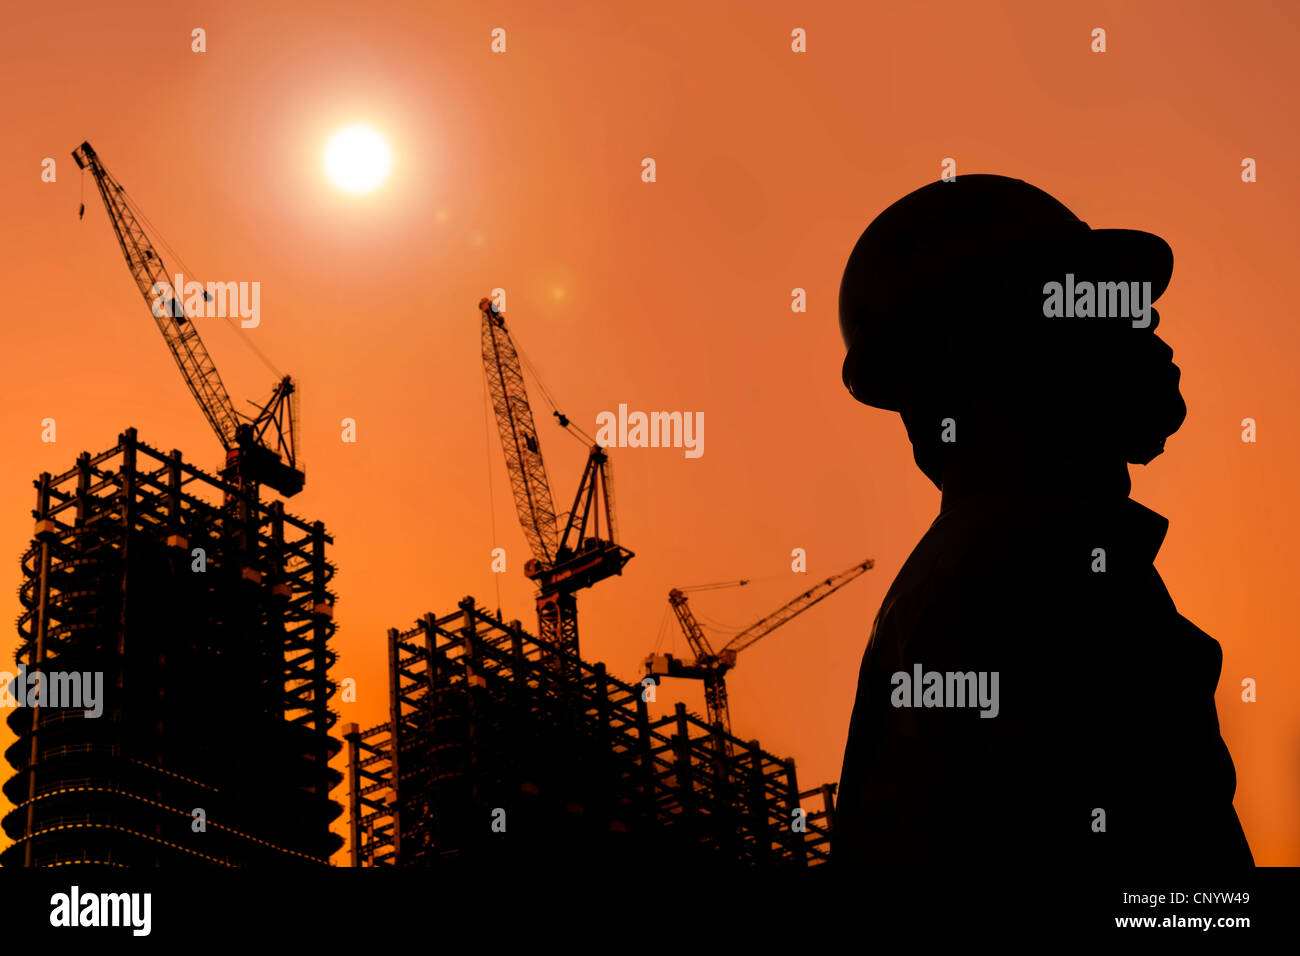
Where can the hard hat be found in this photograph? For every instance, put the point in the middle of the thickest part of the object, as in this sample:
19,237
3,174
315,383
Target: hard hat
919,249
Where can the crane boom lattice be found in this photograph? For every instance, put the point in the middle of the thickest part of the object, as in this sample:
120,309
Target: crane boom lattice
150,274
563,563
259,448
803,602
523,450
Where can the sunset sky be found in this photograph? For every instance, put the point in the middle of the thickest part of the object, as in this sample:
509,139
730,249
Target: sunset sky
522,170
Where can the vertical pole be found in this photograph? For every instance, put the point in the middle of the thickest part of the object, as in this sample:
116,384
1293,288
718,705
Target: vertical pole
322,626
395,742
516,650
42,616
756,802
479,764
799,845
174,491
352,734
468,633
430,757
605,735
649,805
685,775
723,811
430,626
127,492
276,701
131,651
828,802
320,636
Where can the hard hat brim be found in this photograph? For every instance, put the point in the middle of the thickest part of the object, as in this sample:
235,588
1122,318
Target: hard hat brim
885,357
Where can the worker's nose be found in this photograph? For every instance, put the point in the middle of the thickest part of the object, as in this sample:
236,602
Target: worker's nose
1161,347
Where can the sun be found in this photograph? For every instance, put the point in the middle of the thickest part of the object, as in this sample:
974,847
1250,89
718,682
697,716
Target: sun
357,159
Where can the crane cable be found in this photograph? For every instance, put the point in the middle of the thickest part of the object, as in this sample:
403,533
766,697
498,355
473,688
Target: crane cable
716,586
665,629
487,437
730,629
565,422
726,630
185,269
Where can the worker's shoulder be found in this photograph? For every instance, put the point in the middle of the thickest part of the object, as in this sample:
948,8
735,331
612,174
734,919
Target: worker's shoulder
933,583
965,571
965,546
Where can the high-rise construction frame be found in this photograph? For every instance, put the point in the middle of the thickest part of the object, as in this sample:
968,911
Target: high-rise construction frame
208,613
501,746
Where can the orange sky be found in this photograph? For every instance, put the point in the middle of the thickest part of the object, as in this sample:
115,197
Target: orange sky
522,170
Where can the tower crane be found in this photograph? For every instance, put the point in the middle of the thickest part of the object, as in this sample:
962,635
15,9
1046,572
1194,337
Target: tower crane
711,666
563,562
259,447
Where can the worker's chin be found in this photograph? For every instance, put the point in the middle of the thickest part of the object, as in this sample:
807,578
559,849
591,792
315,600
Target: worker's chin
1152,425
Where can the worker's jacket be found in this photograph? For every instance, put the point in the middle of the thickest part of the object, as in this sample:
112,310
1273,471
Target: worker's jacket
1101,745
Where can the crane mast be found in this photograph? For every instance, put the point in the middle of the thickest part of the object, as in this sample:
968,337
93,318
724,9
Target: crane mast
563,562
710,666
259,448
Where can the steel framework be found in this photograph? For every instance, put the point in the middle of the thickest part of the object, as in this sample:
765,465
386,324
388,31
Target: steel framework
208,613
491,752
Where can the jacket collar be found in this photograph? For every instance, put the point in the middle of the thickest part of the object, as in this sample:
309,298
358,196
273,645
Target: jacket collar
1133,528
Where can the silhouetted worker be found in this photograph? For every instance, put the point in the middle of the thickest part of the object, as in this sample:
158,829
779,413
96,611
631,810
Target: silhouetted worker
1029,694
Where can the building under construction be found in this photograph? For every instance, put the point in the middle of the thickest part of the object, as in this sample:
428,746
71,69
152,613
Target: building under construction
502,748
208,612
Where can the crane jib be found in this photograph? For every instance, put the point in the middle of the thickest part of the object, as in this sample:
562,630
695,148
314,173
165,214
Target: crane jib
564,562
258,452
528,479
711,667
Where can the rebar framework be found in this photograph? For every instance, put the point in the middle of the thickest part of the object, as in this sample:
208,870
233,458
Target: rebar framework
497,748
208,613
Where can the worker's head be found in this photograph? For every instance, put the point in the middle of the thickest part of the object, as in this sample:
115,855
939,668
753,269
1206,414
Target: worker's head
997,323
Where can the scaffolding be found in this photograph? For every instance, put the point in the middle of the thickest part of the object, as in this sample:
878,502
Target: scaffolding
208,613
500,747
